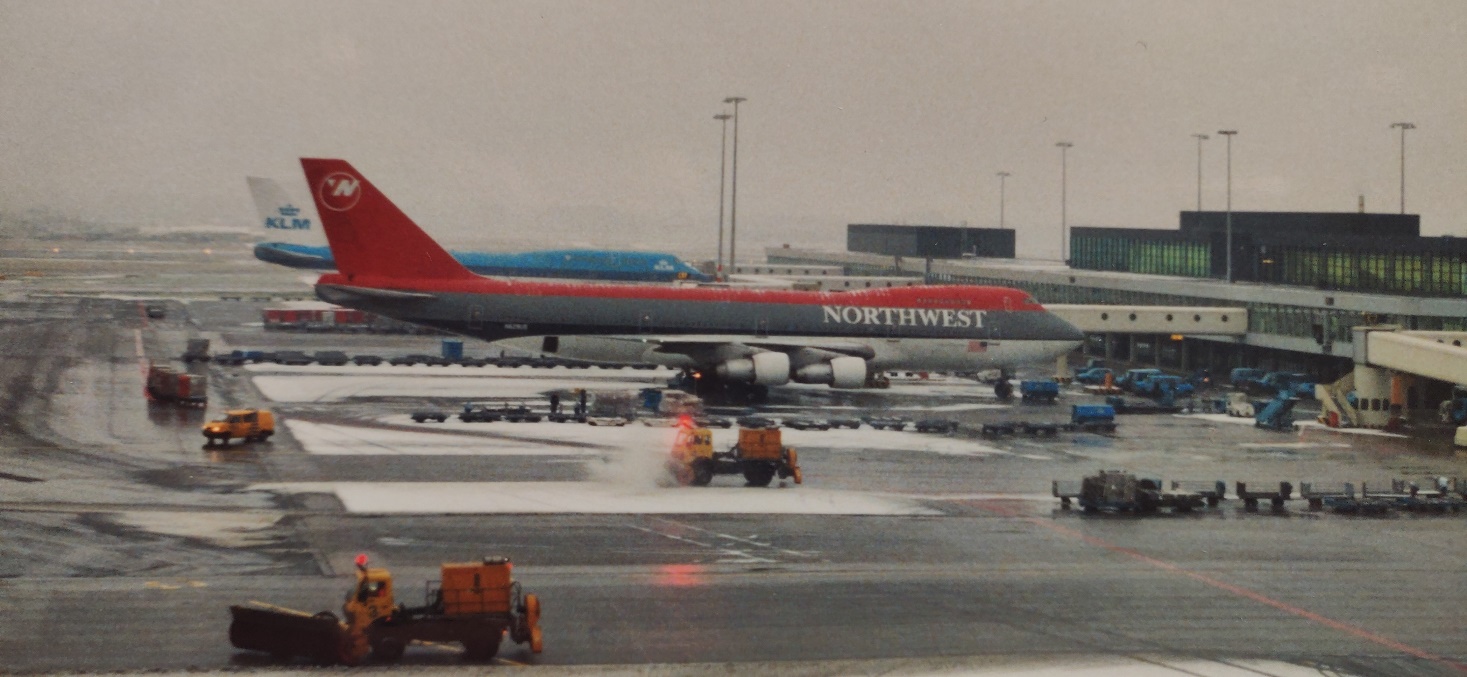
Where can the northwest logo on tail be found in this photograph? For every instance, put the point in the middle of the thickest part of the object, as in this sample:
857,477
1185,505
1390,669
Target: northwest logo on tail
340,191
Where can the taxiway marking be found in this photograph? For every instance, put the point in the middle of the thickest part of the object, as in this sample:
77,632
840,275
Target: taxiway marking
1353,630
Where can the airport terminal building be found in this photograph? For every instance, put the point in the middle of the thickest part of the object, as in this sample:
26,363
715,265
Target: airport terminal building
1305,278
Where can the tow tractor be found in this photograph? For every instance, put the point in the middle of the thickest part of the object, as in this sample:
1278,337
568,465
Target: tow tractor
474,604
759,456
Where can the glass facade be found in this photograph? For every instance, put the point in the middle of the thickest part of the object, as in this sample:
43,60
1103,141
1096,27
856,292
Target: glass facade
1178,257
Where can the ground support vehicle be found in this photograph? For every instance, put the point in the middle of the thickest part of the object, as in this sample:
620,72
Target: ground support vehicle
197,350
330,358
1083,418
1344,500
885,422
294,358
422,415
1212,493
565,417
1120,491
366,360
935,425
1410,497
852,423
759,456
1134,378
474,604
165,384
1125,406
807,424
1039,391
712,422
1277,414
757,422
1094,376
253,425
613,421
419,358
1165,386
1275,496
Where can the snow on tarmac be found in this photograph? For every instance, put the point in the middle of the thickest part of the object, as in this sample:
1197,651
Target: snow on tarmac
482,498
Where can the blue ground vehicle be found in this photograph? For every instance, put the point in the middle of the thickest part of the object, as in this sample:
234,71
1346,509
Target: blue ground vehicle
1134,378
1296,384
1277,414
1038,391
1093,376
1164,384
1244,377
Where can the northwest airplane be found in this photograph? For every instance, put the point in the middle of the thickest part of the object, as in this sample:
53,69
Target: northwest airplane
741,339
280,215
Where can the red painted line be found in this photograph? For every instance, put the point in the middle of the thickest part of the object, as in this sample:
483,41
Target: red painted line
1353,630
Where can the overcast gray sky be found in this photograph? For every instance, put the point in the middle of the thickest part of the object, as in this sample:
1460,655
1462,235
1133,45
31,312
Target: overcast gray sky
590,123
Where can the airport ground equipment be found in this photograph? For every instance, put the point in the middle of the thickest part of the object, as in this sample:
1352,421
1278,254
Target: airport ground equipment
1445,495
935,425
1039,391
1335,408
1165,405
197,350
1343,499
887,422
330,358
759,456
1244,378
452,349
1120,491
294,358
1278,413
1093,418
1276,496
422,415
473,604
1093,376
1134,378
1165,386
1241,405
807,424
251,425
166,384
1107,386
366,360
845,422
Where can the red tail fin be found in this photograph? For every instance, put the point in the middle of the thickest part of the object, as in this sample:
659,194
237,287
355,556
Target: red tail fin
370,236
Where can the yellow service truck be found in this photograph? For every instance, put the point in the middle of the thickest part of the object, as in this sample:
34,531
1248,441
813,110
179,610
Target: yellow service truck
473,604
253,425
759,456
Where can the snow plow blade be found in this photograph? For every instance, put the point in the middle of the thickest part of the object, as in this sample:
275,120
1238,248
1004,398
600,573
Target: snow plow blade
285,635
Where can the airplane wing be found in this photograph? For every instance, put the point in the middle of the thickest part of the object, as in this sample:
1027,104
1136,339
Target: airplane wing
712,348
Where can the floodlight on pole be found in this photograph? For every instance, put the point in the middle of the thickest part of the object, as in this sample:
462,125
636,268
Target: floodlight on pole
1230,133
1001,177
722,163
1403,126
1200,138
1064,147
733,201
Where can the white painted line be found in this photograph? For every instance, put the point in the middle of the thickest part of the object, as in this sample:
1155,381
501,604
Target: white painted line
482,498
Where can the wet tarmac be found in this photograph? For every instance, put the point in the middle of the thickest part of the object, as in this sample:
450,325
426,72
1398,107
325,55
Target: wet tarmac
125,539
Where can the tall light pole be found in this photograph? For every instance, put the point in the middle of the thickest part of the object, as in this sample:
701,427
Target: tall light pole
1200,138
1403,126
722,162
1064,147
1001,177
1230,133
733,207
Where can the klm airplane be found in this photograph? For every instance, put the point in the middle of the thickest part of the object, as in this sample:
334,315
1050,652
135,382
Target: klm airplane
279,214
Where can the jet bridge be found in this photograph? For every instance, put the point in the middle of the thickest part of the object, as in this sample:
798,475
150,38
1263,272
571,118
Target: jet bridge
1383,353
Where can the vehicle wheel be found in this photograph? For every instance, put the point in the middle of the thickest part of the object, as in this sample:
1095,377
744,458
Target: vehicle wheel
417,419
388,649
758,474
703,472
1003,389
483,649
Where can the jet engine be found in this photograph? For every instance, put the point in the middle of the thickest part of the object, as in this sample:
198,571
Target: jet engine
765,369
839,372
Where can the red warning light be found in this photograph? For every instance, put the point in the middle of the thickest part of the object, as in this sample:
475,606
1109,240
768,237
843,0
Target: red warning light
362,561
685,421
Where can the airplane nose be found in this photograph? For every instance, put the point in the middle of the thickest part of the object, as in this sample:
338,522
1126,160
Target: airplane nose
1068,332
